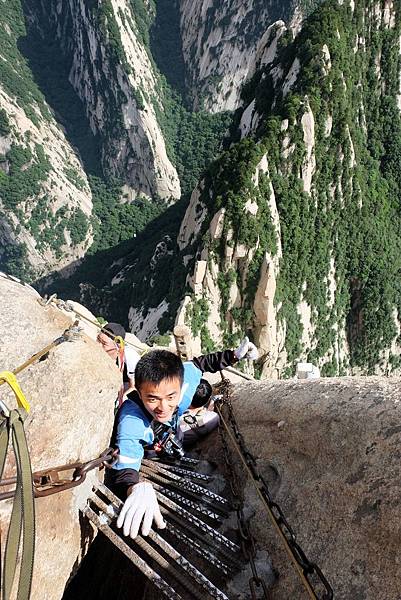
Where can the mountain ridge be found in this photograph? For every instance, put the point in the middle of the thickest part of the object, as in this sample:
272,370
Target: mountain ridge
282,237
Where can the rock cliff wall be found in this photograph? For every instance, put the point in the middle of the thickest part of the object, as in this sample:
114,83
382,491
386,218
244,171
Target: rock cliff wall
113,75
79,96
330,452
220,41
72,395
268,229
45,199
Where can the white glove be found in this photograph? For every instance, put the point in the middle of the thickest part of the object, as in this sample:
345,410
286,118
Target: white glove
140,504
246,350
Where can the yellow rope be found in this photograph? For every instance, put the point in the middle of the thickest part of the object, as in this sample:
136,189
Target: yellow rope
10,378
119,341
68,335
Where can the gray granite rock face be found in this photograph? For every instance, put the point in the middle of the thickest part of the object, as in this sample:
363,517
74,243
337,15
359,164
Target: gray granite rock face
331,450
71,394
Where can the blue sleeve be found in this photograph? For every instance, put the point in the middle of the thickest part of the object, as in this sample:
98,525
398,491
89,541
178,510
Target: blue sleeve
129,432
192,377
133,431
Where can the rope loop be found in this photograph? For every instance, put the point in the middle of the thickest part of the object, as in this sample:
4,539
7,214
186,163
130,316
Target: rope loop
10,378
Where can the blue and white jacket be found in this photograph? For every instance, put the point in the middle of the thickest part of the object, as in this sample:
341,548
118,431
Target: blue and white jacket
133,431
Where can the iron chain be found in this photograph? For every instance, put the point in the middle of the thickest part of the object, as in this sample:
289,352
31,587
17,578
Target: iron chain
246,539
309,570
51,481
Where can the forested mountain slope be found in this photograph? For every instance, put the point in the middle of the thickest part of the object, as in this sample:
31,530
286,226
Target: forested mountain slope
219,44
299,236
292,233
79,79
45,199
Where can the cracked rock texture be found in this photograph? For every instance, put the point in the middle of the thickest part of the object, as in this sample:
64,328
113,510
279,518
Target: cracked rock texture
71,394
334,448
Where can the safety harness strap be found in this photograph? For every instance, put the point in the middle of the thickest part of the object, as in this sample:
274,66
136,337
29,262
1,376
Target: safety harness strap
194,421
23,512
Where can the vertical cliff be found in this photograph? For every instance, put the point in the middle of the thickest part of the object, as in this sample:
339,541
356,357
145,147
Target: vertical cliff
293,233
80,141
71,392
45,199
113,75
219,44
299,236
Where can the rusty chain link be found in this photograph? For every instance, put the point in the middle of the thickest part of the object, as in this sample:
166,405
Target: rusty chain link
305,568
51,481
246,539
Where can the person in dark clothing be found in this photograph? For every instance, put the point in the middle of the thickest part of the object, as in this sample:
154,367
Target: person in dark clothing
199,419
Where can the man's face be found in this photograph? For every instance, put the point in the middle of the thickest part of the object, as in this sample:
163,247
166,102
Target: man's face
161,399
108,345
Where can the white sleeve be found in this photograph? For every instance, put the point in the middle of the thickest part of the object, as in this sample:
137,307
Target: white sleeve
131,359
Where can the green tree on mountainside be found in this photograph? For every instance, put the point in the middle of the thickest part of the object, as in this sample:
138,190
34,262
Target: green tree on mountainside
352,215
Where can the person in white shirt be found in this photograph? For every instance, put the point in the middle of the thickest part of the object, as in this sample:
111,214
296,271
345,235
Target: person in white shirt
112,337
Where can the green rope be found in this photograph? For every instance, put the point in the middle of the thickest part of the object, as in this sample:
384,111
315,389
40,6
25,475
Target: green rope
23,513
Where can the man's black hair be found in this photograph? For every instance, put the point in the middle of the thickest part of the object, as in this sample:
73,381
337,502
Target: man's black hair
157,365
202,394
114,330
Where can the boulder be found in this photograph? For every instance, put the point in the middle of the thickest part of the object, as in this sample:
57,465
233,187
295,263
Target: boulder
331,450
71,394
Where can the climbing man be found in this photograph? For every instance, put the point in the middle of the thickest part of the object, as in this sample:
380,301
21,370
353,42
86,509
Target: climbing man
111,337
150,416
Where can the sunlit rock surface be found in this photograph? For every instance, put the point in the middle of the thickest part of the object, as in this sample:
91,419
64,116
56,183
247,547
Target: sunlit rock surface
71,394
334,445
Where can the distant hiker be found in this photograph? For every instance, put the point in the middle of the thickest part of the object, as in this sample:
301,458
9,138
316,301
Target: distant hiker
148,421
112,337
